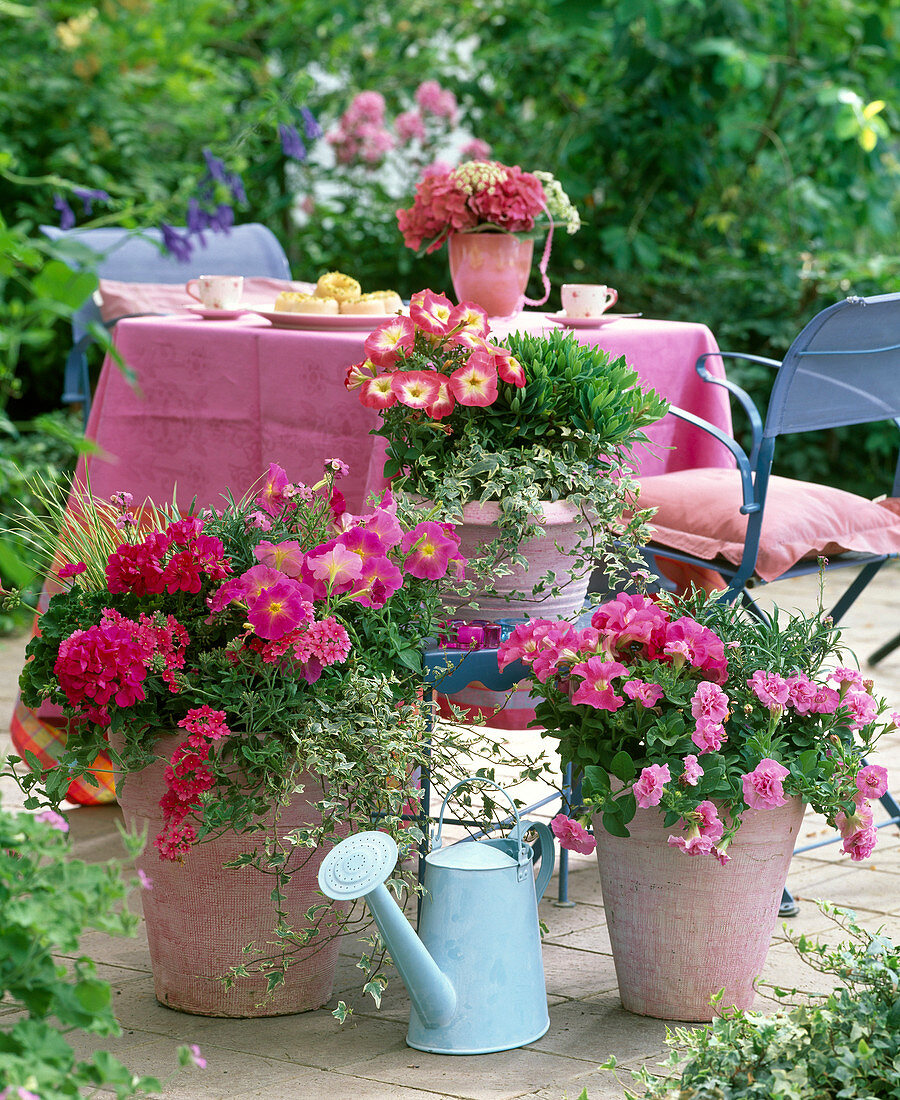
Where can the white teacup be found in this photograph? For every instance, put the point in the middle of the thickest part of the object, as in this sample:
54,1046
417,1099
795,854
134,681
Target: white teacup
587,299
217,291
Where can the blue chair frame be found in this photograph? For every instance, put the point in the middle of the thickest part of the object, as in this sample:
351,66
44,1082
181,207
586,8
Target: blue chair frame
820,384
842,369
129,256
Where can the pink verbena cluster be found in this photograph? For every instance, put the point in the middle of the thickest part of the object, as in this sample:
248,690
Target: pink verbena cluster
432,360
188,777
475,193
108,662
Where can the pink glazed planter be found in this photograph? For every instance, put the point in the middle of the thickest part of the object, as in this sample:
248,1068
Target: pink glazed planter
491,269
201,915
683,927
562,524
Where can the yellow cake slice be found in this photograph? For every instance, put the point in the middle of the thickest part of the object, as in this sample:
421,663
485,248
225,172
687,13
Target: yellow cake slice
290,301
339,286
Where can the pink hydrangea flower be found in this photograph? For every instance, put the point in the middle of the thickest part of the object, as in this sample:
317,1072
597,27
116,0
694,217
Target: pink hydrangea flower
572,835
763,786
648,790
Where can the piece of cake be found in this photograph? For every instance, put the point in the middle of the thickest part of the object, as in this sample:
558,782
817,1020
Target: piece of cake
393,303
367,304
341,287
290,301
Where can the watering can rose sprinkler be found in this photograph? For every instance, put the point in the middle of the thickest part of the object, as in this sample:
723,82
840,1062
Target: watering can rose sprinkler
476,975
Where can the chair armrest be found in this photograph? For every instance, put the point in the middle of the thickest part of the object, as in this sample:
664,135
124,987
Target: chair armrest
737,391
748,490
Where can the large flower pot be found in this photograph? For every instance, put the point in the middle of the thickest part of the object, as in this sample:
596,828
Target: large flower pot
491,269
201,915
683,927
562,524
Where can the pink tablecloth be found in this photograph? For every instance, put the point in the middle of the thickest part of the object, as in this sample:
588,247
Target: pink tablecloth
219,401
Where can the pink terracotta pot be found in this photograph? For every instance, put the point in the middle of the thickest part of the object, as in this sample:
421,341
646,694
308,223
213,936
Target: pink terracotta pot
683,927
561,527
491,269
200,915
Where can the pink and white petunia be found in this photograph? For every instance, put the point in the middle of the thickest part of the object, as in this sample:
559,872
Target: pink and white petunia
390,341
470,318
357,373
378,392
444,403
509,368
431,312
417,389
475,383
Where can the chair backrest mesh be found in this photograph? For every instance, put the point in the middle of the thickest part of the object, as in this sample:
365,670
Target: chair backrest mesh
843,368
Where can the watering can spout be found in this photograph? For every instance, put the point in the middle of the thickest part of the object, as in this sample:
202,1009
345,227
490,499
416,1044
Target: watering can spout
429,988
356,868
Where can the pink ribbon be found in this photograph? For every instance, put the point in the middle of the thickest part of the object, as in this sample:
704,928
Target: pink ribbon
542,266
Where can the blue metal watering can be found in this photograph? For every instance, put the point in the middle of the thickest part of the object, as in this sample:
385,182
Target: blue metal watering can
476,976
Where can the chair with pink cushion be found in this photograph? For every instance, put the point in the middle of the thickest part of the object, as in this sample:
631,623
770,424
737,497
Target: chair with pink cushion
751,527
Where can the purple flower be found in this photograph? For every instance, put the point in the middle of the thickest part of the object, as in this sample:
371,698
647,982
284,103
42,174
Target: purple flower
223,219
215,167
197,218
66,217
236,185
176,243
311,127
291,143
89,195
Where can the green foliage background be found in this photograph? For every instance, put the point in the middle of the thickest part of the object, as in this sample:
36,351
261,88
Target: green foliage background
730,157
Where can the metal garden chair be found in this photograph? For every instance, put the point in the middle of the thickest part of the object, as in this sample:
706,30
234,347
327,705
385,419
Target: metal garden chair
250,249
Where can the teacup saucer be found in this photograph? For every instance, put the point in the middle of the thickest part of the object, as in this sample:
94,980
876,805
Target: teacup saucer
589,322
209,314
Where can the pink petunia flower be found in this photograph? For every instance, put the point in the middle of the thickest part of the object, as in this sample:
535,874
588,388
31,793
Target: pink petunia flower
596,689
692,770
763,786
417,389
648,790
572,835
770,688
444,403
379,580
709,736
429,550
475,383
378,392
430,312
52,818
709,703
338,567
640,691
872,781
392,339
278,609
287,557
271,497
861,844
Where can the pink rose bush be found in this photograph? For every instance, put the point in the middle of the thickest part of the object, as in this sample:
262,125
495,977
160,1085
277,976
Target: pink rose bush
706,714
237,627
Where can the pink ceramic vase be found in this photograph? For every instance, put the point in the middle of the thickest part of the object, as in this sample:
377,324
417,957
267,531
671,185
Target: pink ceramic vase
683,927
491,269
200,915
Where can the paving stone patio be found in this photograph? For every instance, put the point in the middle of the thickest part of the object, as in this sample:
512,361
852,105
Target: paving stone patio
310,1056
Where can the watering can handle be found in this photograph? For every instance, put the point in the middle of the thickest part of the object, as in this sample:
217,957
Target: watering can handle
517,830
548,853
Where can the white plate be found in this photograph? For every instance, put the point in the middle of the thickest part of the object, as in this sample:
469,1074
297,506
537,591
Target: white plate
588,322
218,314
332,322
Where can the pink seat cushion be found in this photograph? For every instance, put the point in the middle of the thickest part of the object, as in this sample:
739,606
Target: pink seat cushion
119,300
697,513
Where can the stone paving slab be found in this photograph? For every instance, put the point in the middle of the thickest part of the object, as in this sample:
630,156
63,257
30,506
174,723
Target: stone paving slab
310,1056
